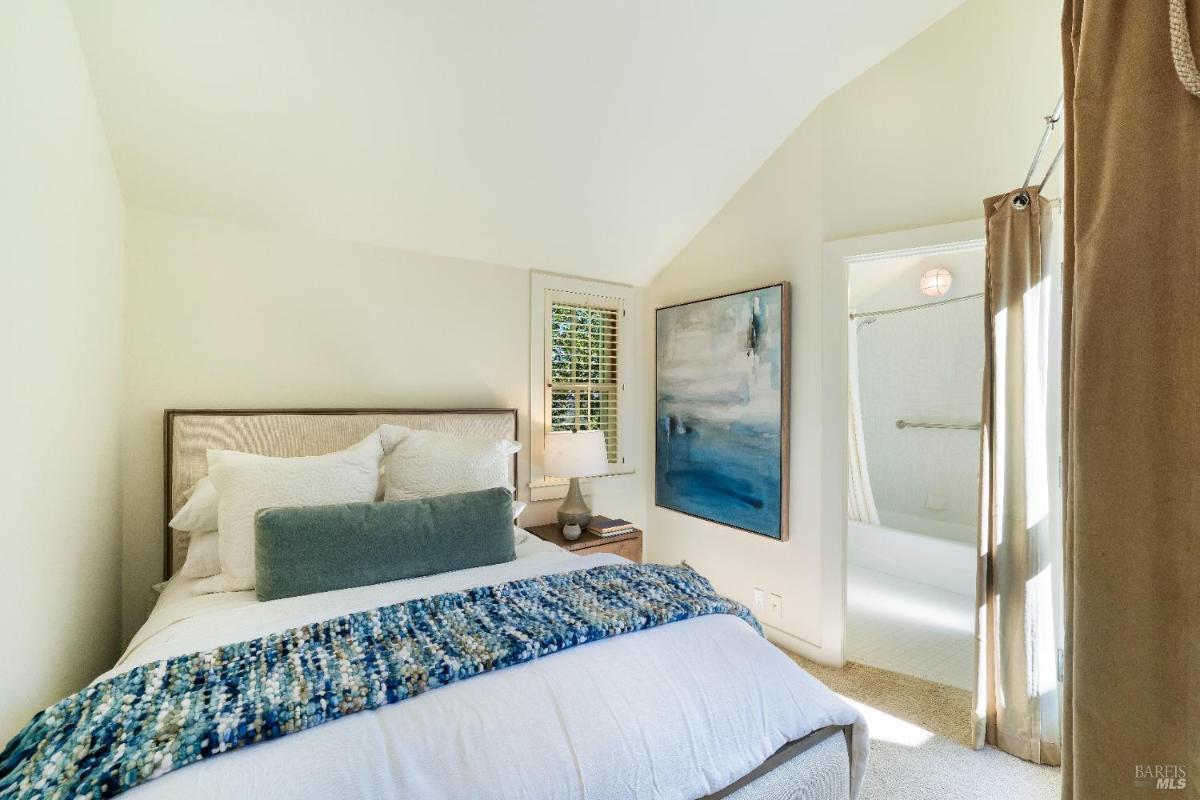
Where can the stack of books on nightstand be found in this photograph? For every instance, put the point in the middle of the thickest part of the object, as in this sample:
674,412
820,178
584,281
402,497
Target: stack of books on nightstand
603,526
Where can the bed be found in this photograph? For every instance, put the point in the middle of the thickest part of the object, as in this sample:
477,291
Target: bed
703,707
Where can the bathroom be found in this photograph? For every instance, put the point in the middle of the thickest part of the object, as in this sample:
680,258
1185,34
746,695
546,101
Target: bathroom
916,354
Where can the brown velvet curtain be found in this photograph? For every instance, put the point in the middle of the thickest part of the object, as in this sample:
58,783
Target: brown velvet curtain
1131,405
1017,693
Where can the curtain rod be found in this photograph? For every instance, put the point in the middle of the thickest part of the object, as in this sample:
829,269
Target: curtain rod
1022,199
885,311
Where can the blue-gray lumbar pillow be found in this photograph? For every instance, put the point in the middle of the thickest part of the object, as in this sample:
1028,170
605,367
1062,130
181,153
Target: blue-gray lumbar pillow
321,548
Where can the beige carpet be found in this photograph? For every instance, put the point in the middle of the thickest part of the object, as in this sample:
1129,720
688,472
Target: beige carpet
919,741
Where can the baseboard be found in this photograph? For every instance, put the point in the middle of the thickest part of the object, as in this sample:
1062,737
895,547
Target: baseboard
801,647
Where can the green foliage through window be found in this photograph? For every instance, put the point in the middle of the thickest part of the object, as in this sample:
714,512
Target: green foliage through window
583,370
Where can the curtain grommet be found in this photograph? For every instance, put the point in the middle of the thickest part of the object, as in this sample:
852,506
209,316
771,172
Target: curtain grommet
1021,201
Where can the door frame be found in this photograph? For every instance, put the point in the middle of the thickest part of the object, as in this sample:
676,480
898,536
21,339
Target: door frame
839,254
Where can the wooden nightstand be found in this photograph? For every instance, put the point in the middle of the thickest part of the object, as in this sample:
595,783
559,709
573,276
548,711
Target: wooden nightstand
626,545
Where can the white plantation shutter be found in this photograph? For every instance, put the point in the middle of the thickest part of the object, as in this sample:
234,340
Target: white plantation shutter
582,372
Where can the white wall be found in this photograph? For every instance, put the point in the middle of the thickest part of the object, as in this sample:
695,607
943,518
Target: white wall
945,121
770,231
927,366
920,139
226,316
60,357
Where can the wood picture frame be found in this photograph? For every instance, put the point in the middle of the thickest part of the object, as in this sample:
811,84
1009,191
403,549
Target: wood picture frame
723,409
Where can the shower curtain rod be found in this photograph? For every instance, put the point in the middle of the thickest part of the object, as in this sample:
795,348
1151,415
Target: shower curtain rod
883,312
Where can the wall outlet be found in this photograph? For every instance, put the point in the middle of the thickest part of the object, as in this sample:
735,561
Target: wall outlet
776,606
760,602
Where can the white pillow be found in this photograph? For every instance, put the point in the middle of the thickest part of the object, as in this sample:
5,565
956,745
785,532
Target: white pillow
518,507
429,463
248,482
199,513
203,558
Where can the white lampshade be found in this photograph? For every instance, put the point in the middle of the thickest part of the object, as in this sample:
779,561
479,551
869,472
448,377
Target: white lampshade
575,454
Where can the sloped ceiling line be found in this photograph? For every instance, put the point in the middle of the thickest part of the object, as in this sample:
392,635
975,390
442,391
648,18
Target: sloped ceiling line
593,139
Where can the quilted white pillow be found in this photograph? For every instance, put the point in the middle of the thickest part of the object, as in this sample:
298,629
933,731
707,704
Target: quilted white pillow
203,557
199,513
430,463
248,482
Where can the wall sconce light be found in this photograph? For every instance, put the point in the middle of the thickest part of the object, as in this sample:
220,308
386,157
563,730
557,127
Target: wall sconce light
936,282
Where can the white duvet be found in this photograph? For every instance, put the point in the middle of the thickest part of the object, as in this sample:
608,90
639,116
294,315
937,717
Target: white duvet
678,711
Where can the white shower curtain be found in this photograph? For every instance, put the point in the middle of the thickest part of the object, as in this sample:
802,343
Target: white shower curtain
859,497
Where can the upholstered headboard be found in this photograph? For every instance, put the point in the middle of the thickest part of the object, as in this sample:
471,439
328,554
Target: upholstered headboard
188,435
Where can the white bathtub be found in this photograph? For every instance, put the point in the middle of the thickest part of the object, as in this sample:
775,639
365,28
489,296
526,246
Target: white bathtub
932,560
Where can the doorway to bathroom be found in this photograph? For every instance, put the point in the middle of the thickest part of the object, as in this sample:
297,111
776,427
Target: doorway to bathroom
907,394
915,363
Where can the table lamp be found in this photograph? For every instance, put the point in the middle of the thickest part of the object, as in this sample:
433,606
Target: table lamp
575,455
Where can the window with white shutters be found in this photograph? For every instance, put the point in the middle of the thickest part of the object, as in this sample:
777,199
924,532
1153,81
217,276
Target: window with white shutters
583,371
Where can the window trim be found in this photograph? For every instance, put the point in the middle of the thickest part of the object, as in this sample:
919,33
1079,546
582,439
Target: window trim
544,289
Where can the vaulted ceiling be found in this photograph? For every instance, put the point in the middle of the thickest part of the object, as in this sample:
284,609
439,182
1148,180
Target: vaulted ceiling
593,138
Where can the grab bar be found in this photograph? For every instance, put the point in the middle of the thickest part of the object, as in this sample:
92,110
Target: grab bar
941,426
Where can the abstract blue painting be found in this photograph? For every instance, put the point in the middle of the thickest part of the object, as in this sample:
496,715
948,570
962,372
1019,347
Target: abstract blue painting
721,433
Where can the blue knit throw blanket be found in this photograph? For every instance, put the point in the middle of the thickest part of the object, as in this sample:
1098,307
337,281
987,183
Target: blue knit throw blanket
136,726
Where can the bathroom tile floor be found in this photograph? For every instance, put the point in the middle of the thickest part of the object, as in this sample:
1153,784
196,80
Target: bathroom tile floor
907,627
